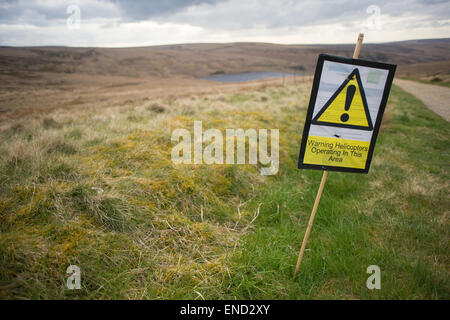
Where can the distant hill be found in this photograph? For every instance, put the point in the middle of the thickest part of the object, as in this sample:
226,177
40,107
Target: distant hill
193,60
37,80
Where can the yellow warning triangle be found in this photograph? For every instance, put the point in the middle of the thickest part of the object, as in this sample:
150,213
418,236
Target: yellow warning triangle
347,107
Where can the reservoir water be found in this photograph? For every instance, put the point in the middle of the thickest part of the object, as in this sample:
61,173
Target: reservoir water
246,76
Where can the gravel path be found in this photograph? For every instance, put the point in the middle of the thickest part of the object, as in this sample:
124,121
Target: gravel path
436,98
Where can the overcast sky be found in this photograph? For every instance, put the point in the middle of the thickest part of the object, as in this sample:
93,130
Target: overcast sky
119,23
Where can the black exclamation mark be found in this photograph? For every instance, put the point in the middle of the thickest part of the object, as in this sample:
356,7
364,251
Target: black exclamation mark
348,102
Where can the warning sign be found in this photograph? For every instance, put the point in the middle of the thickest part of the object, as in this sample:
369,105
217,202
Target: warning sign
345,111
347,108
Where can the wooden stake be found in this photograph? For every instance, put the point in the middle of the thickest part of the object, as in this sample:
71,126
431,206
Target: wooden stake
311,220
322,182
358,46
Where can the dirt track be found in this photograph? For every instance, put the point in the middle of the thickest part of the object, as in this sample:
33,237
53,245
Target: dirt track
436,98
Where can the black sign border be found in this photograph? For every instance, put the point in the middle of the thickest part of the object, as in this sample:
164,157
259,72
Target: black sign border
312,101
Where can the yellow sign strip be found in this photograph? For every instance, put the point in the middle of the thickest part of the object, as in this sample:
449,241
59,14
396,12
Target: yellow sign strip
336,152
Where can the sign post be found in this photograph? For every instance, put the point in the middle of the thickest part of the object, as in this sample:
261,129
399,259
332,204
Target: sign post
347,103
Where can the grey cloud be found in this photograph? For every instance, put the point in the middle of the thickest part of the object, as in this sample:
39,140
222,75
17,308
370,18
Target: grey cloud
239,17
143,9
51,12
218,14
30,12
237,14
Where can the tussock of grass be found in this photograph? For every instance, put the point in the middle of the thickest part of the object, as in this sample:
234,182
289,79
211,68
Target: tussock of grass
156,108
50,123
99,190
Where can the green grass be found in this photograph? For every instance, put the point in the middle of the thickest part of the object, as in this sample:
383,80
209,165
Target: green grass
98,189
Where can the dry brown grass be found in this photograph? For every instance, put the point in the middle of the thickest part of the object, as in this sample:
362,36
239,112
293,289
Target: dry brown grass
42,80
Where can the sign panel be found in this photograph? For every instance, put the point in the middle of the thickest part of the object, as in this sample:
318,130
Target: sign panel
347,103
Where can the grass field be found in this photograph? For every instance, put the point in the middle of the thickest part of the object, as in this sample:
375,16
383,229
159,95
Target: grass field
98,189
